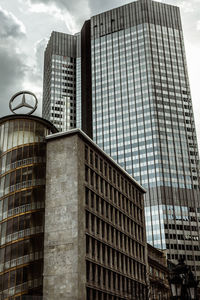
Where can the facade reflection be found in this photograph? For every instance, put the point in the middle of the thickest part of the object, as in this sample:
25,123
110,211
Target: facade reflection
22,195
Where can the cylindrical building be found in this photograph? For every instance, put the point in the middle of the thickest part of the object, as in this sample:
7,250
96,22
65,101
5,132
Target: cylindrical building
22,195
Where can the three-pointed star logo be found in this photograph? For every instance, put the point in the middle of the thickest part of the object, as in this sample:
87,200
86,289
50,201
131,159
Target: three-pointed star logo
23,104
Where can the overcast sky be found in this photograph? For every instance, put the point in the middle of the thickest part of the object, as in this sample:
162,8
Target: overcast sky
26,25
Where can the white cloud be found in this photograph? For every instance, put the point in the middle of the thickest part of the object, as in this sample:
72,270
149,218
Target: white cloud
56,12
10,27
198,25
33,80
73,13
187,7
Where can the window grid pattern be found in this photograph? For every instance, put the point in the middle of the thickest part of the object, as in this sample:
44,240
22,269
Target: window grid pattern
142,107
59,86
115,234
142,112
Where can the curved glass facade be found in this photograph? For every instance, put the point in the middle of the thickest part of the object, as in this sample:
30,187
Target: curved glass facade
22,195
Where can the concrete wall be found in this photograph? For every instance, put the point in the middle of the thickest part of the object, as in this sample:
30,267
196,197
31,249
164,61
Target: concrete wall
64,241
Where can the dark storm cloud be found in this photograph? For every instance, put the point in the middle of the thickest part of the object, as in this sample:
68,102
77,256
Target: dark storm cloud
12,67
11,77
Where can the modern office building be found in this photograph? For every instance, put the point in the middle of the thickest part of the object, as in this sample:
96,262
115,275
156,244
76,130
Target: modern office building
22,196
136,104
95,243
59,83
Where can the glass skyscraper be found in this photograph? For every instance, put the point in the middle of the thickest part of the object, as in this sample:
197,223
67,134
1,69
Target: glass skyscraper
59,85
141,114
131,94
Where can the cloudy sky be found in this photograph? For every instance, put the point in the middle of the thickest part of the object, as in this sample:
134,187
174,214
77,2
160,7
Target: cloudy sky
25,26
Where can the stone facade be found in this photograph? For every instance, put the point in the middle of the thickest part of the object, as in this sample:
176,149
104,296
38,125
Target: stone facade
64,263
95,242
159,288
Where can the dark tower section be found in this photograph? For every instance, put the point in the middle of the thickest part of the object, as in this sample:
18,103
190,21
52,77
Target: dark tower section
86,88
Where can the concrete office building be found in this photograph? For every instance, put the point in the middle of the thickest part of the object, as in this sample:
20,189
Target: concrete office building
22,197
59,83
95,242
93,245
137,107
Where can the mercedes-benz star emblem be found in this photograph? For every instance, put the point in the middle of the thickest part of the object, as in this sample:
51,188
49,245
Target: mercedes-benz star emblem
23,103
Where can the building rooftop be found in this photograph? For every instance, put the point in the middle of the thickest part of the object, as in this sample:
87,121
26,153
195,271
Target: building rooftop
89,140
